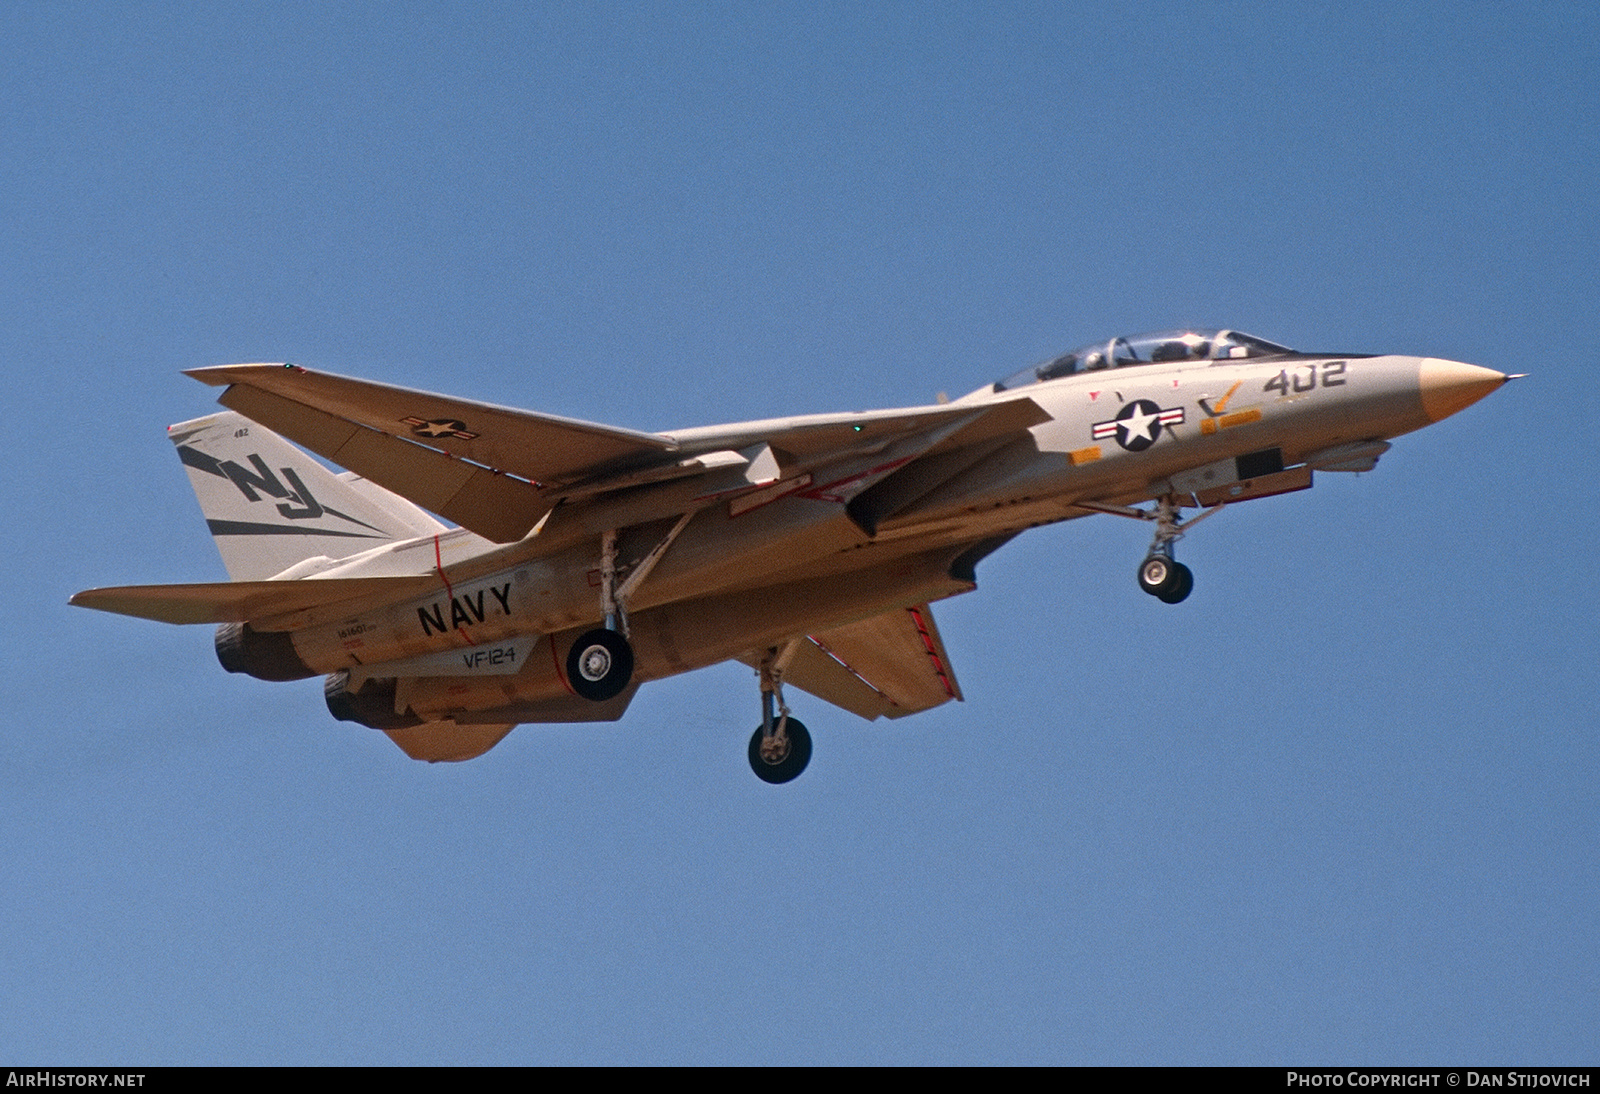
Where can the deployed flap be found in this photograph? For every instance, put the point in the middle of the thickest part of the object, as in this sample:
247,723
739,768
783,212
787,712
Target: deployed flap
890,665
242,601
447,742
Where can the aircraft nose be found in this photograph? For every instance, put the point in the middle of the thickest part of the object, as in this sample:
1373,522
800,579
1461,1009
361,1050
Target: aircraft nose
1451,386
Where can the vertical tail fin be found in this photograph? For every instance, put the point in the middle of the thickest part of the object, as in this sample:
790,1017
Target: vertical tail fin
270,506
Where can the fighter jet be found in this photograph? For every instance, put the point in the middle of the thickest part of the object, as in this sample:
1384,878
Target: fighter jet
583,560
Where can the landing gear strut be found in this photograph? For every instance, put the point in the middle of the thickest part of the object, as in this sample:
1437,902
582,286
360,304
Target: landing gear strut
600,663
1161,575
781,746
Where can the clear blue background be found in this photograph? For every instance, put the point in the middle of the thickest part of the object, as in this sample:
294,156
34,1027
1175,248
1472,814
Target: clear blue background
1340,806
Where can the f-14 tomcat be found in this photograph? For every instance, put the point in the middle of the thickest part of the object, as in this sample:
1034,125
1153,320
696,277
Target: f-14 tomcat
587,560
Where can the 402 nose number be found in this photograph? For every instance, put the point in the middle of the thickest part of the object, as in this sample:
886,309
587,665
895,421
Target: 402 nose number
1305,378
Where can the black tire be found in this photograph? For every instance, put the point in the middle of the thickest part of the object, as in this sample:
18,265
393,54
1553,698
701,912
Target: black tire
599,665
1182,586
1158,575
791,764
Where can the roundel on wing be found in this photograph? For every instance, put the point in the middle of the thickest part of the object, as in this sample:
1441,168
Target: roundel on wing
440,427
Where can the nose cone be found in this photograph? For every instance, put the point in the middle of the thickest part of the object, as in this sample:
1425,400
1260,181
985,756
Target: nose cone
1449,386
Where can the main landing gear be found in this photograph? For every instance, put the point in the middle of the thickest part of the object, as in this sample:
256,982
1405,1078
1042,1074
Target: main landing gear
1161,575
781,746
600,662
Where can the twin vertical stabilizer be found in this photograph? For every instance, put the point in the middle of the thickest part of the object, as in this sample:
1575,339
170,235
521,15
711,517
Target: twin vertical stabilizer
271,507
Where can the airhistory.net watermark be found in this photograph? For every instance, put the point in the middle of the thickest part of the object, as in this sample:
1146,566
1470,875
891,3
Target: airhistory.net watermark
49,1078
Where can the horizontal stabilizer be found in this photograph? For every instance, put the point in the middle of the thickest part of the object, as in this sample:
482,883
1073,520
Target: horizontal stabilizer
887,666
242,601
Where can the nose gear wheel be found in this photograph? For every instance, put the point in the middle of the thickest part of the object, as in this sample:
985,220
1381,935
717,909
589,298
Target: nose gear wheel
1156,574
1168,581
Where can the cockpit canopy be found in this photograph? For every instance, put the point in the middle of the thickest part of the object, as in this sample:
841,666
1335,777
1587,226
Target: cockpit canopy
1147,349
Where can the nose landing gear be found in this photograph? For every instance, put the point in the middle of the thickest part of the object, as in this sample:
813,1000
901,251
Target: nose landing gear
1161,575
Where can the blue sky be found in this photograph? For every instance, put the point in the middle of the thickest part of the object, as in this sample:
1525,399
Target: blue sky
1339,806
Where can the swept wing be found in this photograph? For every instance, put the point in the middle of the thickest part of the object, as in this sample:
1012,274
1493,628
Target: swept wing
497,471
480,465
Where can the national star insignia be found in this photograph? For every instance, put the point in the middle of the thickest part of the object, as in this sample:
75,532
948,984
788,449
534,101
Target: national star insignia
439,427
1137,425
